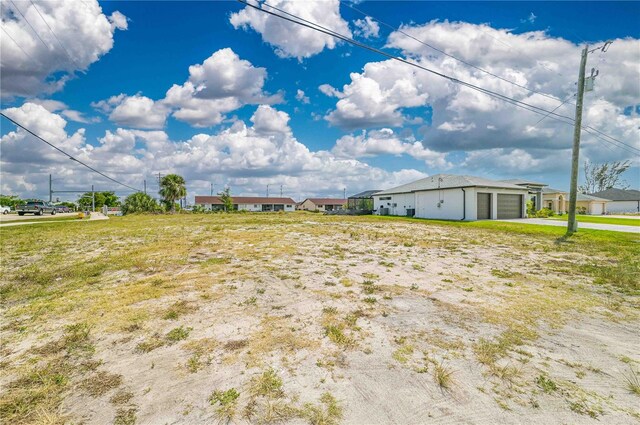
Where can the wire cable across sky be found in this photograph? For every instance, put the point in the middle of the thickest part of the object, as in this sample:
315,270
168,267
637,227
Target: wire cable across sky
524,105
68,155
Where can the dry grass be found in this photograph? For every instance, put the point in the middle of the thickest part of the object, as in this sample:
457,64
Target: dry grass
283,290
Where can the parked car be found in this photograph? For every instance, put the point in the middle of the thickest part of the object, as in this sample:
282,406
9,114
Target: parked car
5,210
62,209
37,208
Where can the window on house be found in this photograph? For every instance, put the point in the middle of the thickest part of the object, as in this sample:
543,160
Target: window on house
385,198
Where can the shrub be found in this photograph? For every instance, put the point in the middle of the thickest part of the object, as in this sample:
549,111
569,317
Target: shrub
544,213
140,203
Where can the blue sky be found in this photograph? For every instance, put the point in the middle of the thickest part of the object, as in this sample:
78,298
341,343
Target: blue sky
154,48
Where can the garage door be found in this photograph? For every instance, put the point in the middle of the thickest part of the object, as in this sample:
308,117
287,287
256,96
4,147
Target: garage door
596,209
484,206
509,206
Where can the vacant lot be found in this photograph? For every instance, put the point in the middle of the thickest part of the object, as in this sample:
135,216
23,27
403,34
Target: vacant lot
302,318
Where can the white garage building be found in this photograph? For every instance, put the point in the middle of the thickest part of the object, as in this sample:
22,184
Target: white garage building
621,200
453,197
248,203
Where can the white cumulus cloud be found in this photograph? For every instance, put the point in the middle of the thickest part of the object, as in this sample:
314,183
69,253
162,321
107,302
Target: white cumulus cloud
293,40
67,36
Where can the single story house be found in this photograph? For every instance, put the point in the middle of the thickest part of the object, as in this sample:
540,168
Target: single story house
621,200
454,197
322,204
362,201
558,202
248,203
535,190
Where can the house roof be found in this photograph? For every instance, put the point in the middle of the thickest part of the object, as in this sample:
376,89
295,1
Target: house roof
585,197
448,181
327,201
215,200
579,196
522,182
552,190
614,194
365,194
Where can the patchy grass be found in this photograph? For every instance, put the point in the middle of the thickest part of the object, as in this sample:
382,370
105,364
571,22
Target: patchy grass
101,383
226,403
279,289
632,378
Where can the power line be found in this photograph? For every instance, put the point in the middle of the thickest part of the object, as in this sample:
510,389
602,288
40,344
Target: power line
28,23
448,54
16,43
555,109
320,28
316,27
68,155
54,34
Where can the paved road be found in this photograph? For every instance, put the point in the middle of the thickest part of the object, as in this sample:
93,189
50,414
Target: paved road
4,218
94,216
559,223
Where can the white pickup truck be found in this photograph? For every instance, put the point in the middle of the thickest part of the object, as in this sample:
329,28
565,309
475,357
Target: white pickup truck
4,210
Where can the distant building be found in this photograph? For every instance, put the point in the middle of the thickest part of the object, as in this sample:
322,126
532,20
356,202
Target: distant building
558,202
248,203
322,204
453,197
362,201
621,200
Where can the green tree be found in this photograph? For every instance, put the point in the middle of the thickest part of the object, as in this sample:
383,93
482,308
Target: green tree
139,203
172,187
111,199
85,200
227,200
10,201
599,177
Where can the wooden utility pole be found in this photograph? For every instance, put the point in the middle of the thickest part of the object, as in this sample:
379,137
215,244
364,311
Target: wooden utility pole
50,190
145,186
572,224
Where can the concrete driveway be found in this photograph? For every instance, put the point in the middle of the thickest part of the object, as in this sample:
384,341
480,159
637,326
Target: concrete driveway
596,226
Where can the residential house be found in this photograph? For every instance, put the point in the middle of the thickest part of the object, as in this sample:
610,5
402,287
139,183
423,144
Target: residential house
535,190
322,204
248,203
621,200
362,201
558,202
454,197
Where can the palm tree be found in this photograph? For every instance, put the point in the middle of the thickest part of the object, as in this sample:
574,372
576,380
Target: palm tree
172,187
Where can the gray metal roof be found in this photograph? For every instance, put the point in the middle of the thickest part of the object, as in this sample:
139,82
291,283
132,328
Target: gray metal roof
585,197
520,182
614,194
365,194
449,181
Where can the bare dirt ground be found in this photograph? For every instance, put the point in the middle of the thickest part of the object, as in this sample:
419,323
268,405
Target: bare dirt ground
302,318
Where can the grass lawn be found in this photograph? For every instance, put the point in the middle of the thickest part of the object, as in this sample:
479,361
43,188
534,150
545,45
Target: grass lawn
305,318
600,219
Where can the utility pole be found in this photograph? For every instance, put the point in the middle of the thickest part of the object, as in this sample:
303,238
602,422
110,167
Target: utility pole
211,189
50,191
344,193
93,200
267,191
145,186
572,224
281,191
